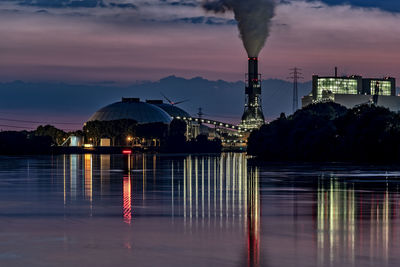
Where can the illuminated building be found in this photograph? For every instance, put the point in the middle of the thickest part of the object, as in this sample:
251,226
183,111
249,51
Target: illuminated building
350,91
151,111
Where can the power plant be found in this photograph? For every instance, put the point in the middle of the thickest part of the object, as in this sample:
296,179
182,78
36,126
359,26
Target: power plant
353,90
253,116
253,21
155,111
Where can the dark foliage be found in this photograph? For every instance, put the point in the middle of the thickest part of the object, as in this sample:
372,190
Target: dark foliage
57,136
119,130
43,140
202,145
330,132
176,141
24,143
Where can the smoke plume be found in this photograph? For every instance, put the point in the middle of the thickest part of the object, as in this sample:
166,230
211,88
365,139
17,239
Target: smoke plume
253,17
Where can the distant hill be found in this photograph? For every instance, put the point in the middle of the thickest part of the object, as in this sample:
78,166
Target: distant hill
219,99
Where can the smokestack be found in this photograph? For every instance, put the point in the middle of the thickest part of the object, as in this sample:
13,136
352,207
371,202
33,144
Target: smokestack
253,17
253,69
335,72
253,116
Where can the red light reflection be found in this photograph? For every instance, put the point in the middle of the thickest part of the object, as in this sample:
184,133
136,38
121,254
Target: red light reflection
126,151
127,199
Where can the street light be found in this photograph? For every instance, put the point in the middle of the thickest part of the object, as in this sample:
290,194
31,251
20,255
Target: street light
129,139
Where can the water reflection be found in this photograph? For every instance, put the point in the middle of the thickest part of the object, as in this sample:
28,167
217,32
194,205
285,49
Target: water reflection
345,221
253,220
88,177
127,199
351,222
105,161
207,195
205,192
73,173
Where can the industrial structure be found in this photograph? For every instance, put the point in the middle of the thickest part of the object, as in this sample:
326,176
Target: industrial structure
350,91
134,109
156,111
253,116
295,76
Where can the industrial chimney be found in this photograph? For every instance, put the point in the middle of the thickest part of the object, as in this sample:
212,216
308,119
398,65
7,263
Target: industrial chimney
253,116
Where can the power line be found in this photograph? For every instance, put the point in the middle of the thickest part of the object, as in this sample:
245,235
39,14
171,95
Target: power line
222,116
27,121
29,128
13,126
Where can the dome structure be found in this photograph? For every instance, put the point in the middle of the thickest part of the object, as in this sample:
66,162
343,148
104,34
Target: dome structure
134,109
173,111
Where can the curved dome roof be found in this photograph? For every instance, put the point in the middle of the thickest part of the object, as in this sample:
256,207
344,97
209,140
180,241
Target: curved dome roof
173,111
132,108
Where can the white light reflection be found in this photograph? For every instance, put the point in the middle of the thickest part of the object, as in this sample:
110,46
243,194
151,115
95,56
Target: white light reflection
216,190
348,225
73,172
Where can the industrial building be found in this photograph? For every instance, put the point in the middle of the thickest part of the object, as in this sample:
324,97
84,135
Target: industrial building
134,109
156,111
350,91
150,111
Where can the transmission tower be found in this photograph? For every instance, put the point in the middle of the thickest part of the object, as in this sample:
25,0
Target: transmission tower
200,113
295,76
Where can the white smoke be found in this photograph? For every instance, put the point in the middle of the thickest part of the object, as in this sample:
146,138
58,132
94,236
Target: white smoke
253,17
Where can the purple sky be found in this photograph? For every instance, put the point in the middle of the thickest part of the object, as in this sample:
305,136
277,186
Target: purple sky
47,43
160,38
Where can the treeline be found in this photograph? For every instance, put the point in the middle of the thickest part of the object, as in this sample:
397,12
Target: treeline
39,141
330,132
170,138
176,141
119,130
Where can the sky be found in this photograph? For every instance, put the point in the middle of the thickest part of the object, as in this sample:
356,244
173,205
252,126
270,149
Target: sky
67,106
128,41
60,60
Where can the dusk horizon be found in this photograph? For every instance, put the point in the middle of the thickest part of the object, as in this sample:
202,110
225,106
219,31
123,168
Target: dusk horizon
100,41
201,133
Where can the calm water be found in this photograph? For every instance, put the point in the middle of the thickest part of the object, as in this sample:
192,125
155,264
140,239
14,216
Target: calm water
148,210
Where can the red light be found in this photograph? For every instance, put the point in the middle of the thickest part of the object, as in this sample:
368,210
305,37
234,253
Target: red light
126,151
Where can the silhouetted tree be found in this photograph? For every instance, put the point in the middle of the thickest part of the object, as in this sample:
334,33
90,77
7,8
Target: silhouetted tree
58,136
330,132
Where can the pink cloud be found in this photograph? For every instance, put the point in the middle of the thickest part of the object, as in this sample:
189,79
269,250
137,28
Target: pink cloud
73,49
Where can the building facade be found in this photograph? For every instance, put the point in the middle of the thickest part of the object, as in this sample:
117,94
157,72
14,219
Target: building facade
350,91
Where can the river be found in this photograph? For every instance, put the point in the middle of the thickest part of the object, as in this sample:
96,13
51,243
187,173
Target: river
188,210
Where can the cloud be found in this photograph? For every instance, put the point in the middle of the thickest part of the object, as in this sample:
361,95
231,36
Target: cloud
73,4
119,12
386,5
160,38
206,20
